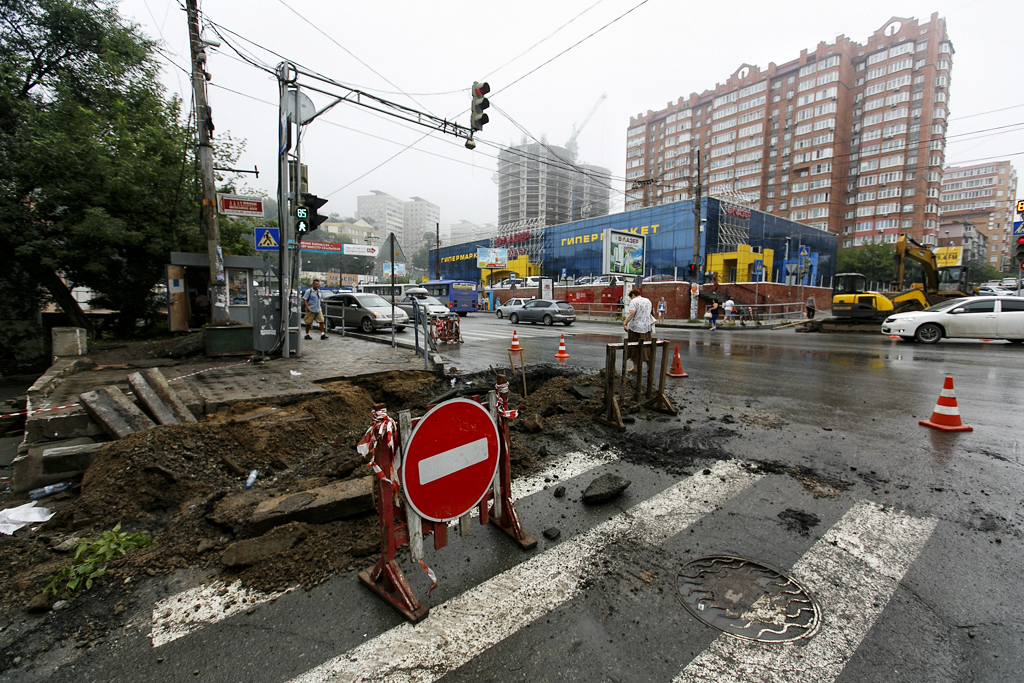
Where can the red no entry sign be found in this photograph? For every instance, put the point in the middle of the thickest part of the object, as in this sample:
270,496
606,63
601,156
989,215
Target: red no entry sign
451,460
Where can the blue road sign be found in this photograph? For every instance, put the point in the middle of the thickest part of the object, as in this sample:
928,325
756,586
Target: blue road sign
758,267
1018,228
563,272
267,239
805,250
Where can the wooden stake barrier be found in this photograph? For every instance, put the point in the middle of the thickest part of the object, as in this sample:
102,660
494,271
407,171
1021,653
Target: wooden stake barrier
615,401
401,525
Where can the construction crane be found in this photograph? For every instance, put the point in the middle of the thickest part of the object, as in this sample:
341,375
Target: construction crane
571,145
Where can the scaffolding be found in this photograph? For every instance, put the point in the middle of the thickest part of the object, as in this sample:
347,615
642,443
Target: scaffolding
733,220
522,238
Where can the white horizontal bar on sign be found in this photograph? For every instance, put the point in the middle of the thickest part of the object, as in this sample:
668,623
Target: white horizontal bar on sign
465,626
453,460
853,571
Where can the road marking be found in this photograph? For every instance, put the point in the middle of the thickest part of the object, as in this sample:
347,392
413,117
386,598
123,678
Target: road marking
453,460
465,626
178,616
853,571
190,610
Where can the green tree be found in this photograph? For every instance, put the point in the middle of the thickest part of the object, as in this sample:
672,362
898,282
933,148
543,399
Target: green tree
873,261
96,163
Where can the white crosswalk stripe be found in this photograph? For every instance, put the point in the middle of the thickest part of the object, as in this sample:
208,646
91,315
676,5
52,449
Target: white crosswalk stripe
188,611
465,626
853,571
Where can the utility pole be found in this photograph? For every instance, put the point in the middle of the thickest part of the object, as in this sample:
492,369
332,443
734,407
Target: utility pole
696,237
204,126
437,252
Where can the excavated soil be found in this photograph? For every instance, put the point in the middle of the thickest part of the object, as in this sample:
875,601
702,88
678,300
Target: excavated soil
184,484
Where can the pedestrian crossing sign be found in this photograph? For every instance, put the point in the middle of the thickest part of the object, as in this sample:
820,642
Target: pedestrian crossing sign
267,239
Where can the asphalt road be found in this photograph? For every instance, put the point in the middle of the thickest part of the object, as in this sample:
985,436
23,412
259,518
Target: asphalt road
909,540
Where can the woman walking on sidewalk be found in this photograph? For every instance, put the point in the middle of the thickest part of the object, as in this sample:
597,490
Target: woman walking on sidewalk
715,310
661,310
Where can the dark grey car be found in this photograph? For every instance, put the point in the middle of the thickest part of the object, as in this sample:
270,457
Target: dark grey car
544,311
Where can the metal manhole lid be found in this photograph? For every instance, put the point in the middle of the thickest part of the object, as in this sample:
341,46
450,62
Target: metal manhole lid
747,600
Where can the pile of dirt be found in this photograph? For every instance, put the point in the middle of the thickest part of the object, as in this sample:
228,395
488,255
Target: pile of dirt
184,484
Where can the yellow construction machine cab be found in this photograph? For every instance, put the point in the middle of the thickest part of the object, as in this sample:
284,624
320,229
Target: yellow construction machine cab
852,299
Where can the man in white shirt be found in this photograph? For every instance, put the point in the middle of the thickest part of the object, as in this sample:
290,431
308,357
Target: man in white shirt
638,324
729,306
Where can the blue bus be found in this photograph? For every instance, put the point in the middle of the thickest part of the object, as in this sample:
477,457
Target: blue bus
460,296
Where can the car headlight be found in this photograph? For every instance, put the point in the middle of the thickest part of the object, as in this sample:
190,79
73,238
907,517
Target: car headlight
890,320
379,315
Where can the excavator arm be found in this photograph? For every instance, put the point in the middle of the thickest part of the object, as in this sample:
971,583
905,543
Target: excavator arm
909,248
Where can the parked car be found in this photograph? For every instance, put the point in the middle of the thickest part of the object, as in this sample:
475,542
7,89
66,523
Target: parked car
368,312
433,305
659,278
987,290
586,280
513,304
1009,282
544,311
980,317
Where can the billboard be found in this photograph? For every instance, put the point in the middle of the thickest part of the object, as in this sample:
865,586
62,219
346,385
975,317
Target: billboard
491,258
623,253
949,256
234,205
399,269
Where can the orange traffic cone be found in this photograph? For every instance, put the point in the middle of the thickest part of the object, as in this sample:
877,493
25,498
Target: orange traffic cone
677,366
946,415
562,353
515,348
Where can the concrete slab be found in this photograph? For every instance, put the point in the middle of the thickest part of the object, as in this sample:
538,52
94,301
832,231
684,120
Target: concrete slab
69,459
222,388
149,401
118,416
28,467
167,394
317,506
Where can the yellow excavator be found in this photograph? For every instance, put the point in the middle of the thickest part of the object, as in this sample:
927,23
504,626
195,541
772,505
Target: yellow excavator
852,300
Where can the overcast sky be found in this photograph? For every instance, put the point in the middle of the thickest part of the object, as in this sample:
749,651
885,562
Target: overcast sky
643,55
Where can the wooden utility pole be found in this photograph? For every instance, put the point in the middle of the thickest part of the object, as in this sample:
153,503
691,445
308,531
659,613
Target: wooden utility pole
204,127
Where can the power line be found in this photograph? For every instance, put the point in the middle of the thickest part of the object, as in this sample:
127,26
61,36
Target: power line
991,111
574,45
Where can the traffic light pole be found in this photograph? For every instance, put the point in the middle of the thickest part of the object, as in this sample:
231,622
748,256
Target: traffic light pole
696,239
285,77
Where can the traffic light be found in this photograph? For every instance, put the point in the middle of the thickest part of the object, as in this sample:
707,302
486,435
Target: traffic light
691,271
478,118
313,204
301,220
1019,253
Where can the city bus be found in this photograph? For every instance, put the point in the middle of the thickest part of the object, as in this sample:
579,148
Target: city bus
460,296
384,289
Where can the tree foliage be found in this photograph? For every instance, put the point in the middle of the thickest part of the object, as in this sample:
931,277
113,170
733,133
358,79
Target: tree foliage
873,261
97,165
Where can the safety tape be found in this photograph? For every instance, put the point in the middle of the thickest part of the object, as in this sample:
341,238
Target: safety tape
75,405
383,427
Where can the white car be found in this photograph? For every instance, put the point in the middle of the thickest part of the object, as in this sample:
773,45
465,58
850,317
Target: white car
988,290
979,317
513,304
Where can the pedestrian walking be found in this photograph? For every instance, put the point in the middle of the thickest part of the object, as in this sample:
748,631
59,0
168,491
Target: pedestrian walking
729,306
811,308
638,325
312,299
715,310
662,307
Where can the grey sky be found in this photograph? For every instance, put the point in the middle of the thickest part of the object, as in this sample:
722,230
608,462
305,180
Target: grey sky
433,51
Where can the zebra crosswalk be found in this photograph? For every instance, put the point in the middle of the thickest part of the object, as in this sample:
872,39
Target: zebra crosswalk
853,572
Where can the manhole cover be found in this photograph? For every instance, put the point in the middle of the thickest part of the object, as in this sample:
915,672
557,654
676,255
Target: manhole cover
747,600
393,361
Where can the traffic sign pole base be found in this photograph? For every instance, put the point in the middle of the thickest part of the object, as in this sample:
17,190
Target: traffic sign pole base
392,587
525,540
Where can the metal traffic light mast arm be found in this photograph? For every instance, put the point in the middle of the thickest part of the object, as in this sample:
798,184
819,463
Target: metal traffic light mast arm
378,104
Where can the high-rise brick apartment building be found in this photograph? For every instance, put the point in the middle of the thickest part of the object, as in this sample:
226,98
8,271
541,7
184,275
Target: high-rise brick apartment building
847,138
983,195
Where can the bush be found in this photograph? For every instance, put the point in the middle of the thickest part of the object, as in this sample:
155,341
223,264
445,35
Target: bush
90,561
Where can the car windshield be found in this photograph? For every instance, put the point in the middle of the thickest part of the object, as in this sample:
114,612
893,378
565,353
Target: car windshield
945,305
373,301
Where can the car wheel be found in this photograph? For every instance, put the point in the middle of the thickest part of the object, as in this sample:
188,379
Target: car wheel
929,333
366,325
567,323
906,338
500,315
514,319
400,328
549,321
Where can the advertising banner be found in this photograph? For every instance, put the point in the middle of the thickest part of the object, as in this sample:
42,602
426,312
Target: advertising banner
491,258
949,256
360,250
234,205
399,269
623,253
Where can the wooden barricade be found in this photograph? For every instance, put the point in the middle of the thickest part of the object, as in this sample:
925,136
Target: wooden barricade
615,400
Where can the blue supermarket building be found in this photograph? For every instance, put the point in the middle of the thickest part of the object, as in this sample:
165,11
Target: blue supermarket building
734,240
